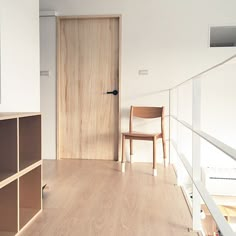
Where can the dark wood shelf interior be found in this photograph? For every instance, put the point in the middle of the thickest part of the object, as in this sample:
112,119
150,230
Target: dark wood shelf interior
8,147
29,140
8,209
30,195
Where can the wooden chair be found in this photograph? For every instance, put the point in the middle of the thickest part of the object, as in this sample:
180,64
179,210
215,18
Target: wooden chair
144,112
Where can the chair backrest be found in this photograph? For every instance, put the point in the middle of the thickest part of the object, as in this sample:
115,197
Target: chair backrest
146,113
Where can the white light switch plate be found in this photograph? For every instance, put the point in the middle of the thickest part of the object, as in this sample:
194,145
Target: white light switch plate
143,72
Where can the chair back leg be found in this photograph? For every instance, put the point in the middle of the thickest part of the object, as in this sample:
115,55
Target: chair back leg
131,150
131,147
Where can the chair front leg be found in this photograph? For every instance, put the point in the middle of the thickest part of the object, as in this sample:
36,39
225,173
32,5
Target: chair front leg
154,157
131,150
123,154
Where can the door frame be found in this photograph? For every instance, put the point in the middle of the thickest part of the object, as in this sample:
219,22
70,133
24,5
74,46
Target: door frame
59,18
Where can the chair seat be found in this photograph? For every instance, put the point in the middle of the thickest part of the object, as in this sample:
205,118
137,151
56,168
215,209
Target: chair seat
141,136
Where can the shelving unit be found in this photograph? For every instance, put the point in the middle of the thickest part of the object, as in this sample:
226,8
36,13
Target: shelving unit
20,171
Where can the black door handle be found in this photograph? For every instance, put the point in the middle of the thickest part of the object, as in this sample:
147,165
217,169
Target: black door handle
114,92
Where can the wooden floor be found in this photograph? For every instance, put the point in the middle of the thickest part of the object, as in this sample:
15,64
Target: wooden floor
88,198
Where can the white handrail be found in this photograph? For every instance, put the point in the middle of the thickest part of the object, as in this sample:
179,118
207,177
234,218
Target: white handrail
194,170
191,78
220,220
231,152
204,72
214,210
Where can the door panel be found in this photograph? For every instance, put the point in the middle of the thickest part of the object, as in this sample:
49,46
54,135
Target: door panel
88,68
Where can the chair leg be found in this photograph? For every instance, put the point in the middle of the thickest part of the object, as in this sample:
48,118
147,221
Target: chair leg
164,150
131,150
154,158
123,154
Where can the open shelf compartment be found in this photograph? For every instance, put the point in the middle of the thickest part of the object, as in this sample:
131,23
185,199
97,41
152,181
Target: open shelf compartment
30,195
8,147
8,209
29,141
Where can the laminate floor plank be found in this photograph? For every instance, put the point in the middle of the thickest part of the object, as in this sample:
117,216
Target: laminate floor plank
93,198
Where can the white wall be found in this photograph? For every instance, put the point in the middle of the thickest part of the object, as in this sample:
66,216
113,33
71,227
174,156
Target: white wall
20,86
48,85
169,38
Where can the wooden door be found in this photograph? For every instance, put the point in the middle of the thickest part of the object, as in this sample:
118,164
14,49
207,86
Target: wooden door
88,67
